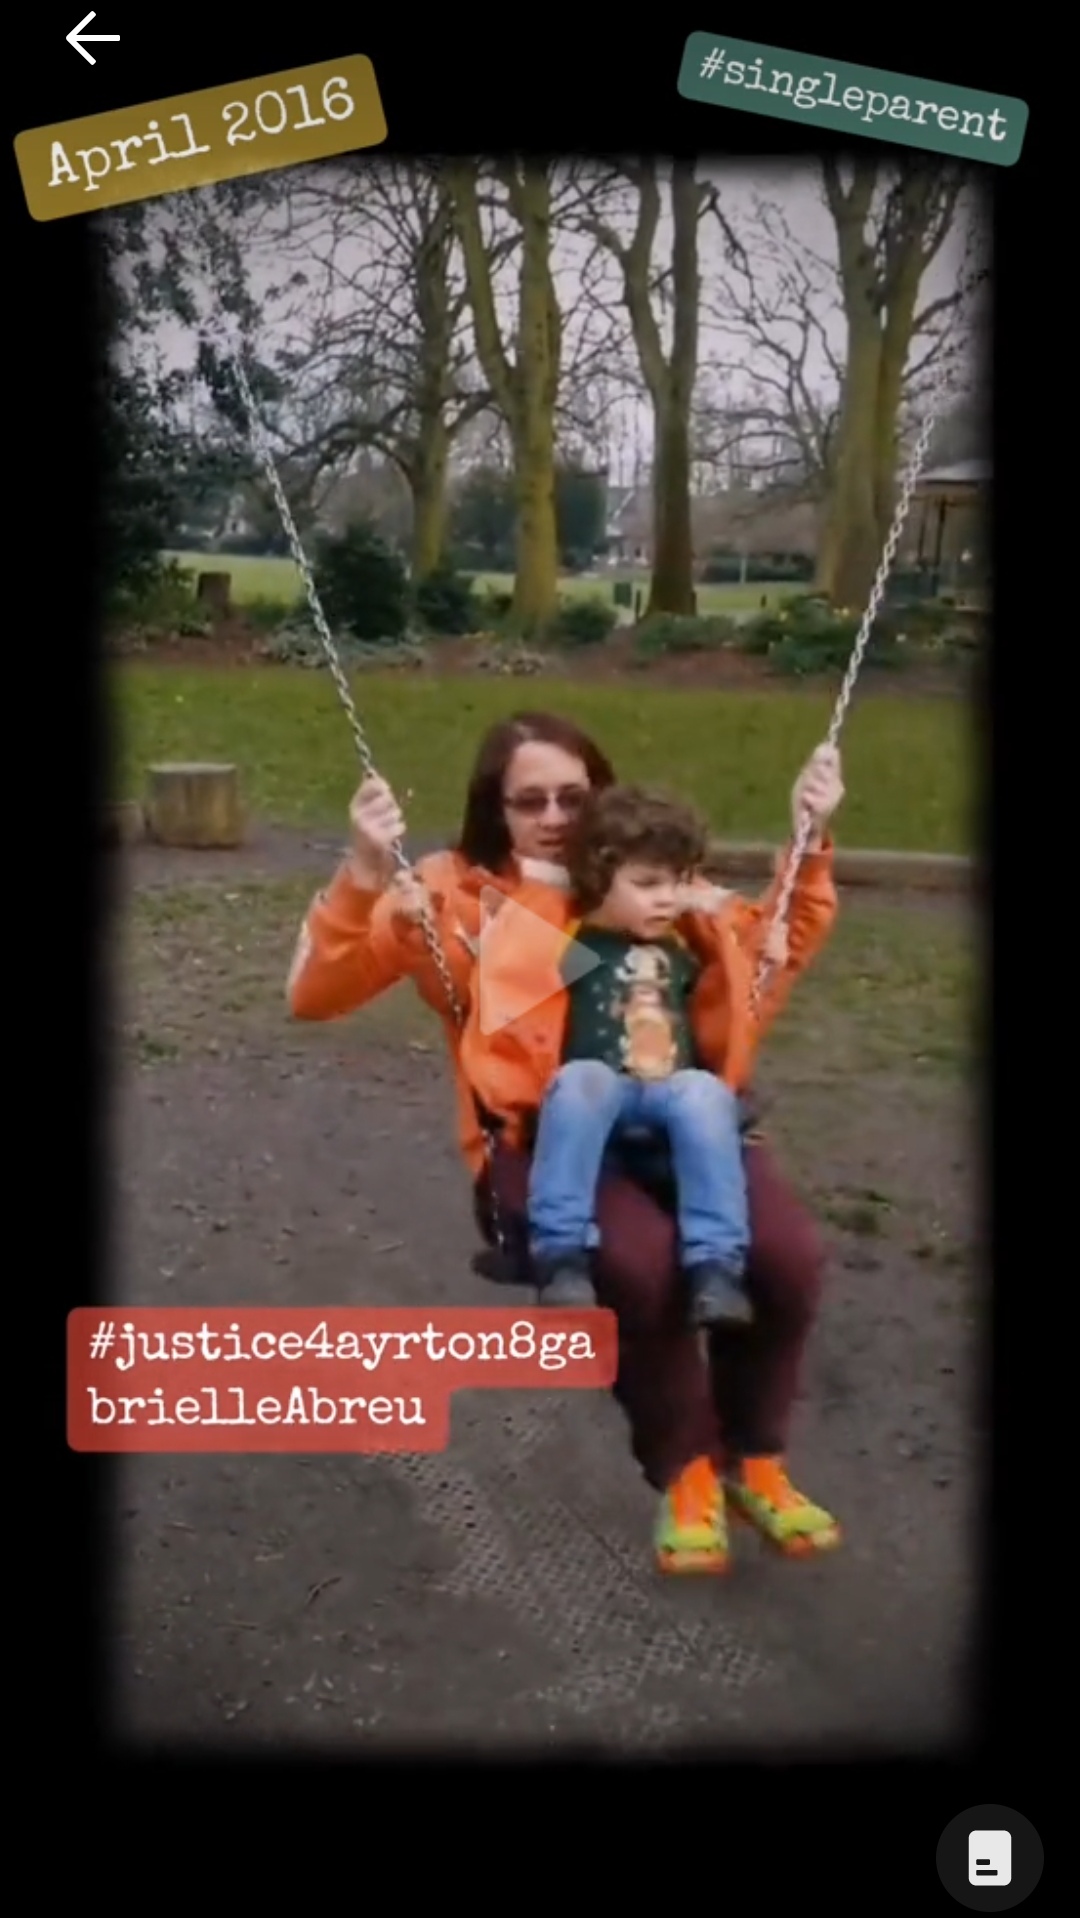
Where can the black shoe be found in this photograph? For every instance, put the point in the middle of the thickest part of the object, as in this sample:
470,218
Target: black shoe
498,1268
717,1297
566,1284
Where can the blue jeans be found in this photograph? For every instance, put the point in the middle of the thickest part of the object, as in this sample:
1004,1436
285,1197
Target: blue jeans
587,1106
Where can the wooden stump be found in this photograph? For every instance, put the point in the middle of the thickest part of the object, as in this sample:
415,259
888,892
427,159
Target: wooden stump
196,806
214,591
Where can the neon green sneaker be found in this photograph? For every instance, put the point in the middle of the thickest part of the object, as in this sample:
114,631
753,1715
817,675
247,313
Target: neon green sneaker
762,1495
691,1532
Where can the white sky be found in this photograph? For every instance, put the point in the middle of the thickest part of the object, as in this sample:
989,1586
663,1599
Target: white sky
794,186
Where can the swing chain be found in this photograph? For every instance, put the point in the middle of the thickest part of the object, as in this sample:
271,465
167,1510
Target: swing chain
431,936
333,661
847,688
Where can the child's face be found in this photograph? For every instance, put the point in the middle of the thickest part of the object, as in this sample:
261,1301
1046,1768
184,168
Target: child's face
643,901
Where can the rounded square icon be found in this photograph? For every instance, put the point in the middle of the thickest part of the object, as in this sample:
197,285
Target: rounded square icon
990,1858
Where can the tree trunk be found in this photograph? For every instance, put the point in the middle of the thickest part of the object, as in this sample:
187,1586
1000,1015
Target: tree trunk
880,284
536,582
669,377
895,347
672,587
850,546
426,478
526,387
536,587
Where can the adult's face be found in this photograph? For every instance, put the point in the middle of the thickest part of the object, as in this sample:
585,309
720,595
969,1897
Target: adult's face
543,793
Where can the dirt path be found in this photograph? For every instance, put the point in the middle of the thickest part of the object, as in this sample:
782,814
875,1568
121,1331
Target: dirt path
272,852
504,1591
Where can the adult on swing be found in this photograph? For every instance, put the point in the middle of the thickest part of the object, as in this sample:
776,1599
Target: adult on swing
709,1423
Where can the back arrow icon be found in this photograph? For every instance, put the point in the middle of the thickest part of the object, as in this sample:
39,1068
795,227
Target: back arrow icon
76,37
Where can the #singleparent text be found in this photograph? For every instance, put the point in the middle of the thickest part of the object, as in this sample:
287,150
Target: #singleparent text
867,104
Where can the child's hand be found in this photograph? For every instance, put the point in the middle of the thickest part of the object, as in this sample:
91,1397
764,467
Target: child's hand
776,945
703,895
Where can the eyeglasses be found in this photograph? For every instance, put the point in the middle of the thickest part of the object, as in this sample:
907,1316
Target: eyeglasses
569,800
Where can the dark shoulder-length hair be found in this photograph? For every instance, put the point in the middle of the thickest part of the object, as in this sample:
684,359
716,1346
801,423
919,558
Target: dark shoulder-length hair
484,839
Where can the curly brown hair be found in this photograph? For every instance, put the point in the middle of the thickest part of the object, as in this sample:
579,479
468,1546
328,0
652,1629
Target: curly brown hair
630,825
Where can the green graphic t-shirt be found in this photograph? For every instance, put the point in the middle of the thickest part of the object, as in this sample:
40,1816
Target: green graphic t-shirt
631,1011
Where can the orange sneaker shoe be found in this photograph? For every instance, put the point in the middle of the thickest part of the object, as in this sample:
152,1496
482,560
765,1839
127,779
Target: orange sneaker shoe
691,1531
762,1495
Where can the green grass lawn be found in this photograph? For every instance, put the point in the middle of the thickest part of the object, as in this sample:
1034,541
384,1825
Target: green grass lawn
908,763
278,579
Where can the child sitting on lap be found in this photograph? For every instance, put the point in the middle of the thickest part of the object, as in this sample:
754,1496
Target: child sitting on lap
597,1037
630,1069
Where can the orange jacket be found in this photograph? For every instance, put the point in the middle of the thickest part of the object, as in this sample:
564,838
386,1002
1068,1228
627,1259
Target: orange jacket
355,944
511,1047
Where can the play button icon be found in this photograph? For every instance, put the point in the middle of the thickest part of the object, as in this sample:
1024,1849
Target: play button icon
523,961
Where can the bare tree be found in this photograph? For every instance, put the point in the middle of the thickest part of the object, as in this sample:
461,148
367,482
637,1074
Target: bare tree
884,256
827,420
354,315
773,371
661,298
524,379
355,297
378,352
544,347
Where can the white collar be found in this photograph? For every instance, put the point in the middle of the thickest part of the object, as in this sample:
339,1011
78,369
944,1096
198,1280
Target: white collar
545,873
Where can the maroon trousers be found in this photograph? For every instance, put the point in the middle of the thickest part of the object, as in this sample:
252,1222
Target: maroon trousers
680,1404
